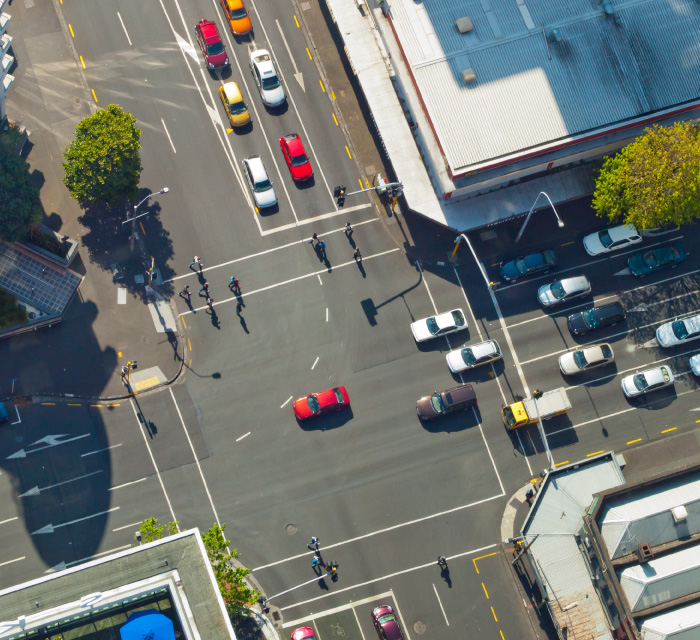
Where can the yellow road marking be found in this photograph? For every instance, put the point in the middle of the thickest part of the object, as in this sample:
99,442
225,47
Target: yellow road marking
74,405
189,344
309,53
49,404
229,130
93,95
488,555
82,62
368,184
71,30
486,592
335,120
495,264
568,243
184,323
494,614
145,384
667,430
119,354
595,453
332,95
295,20
502,636
559,464
360,181
639,439
322,87
105,405
348,150
142,229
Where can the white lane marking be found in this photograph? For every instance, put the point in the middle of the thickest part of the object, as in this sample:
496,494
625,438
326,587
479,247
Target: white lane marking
185,47
427,288
299,76
245,435
603,299
153,460
90,453
36,491
323,216
127,484
2,564
587,264
303,277
343,607
319,280
50,528
119,15
196,459
440,603
313,366
9,520
128,526
357,622
286,402
167,133
488,450
326,314
266,251
393,527
430,564
19,420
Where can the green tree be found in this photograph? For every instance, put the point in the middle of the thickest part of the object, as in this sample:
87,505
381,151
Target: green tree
150,530
654,181
103,163
20,206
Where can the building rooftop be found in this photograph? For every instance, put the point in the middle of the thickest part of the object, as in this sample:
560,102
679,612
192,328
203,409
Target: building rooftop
679,624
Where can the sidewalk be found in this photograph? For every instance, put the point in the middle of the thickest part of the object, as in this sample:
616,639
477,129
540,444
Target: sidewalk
109,321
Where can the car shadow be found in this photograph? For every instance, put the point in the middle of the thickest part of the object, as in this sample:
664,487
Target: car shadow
246,128
305,184
483,373
278,111
268,211
467,418
328,421
660,399
598,377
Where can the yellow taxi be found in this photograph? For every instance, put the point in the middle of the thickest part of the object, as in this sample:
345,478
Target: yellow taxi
234,105
237,16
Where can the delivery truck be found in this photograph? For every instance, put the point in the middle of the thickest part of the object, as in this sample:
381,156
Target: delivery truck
550,404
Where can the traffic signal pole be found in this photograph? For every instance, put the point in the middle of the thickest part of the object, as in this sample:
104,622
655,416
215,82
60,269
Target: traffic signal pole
382,186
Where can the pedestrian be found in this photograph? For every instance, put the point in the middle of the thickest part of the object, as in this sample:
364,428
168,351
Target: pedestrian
322,247
125,371
357,255
348,229
205,288
315,562
234,285
313,237
442,561
313,544
210,302
529,495
186,293
196,261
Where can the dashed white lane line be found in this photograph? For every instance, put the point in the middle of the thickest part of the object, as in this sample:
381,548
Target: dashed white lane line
245,435
2,564
313,366
128,526
343,607
9,520
119,15
286,402
128,484
440,603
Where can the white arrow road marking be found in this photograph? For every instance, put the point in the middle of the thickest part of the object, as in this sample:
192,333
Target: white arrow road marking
624,272
35,491
297,73
51,441
49,528
214,115
650,343
640,307
186,47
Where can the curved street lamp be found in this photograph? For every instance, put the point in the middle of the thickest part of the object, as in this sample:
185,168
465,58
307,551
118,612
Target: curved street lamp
532,208
134,216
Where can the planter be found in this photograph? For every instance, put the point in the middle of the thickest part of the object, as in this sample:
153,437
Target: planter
49,255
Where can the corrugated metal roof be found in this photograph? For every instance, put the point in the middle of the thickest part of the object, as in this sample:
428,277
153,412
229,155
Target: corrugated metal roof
662,579
645,517
600,73
680,624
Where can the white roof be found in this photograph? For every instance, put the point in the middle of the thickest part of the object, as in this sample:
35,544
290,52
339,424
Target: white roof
680,624
483,349
445,320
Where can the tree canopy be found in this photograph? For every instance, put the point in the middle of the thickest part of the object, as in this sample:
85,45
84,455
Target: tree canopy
103,163
654,181
20,206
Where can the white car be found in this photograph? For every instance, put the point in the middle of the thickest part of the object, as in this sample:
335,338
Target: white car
259,182
645,381
265,75
440,325
563,290
596,355
694,363
611,239
472,356
678,332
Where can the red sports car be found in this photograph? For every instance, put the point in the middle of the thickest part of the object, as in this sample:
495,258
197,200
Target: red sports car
296,158
318,403
303,633
386,623
211,44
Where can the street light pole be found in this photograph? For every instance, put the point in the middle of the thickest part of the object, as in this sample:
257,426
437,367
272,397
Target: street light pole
532,208
536,394
489,284
134,216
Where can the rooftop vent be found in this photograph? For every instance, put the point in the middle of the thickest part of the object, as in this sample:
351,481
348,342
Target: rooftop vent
680,514
553,36
644,553
608,8
468,75
464,25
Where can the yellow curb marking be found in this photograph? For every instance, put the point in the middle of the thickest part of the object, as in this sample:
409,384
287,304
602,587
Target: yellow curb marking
558,465
309,52
335,120
595,453
494,614
486,592
74,405
93,95
667,430
322,87
71,30
49,404
348,150
360,181
639,439
295,20
488,555
82,62
333,95
568,243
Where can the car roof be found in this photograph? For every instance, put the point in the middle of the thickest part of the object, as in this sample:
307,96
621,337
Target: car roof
327,397
693,323
257,168
623,231
575,283
262,58
594,352
232,91
654,376
608,310
445,319
459,394
208,28
483,349
294,142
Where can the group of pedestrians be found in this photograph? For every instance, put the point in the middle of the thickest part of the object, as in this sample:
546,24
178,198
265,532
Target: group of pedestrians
320,244
234,286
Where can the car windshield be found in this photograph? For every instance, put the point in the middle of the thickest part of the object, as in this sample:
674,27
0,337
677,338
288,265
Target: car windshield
314,406
216,47
606,350
271,82
458,318
605,238
590,319
437,403
237,14
509,417
339,396
297,161
237,107
263,185
432,326
650,259
557,290
521,265
387,617
640,382
680,330
468,356
580,359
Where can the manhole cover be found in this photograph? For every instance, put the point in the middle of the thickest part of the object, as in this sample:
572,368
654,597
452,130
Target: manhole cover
291,529
419,628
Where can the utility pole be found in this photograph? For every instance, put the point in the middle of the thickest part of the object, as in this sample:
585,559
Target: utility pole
134,216
394,189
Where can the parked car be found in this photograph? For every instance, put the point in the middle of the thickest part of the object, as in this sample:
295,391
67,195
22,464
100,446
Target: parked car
529,265
296,158
638,384
671,334
316,404
439,325
596,355
596,318
386,623
303,633
439,404
234,105
694,363
560,291
470,356
259,182
642,264
266,79
611,239
211,44
237,16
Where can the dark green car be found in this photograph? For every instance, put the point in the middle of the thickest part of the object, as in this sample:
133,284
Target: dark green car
642,264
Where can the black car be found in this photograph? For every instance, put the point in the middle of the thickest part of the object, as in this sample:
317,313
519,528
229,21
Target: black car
530,265
595,318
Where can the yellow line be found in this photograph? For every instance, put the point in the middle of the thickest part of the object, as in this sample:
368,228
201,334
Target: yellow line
184,323
502,636
322,87
639,439
49,404
595,453
667,430
486,592
360,181
561,463
189,344
568,243
488,555
74,405
295,20
71,31
333,95
368,184
335,120
348,150
495,264
82,62
142,229
309,52
494,614
93,95
113,405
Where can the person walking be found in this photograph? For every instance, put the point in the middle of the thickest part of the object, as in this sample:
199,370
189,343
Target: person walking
313,545
205,288
125,372
313,237
315,562
210,303
357,255
186,293
348,229
322,248
196,261
442,561
234,285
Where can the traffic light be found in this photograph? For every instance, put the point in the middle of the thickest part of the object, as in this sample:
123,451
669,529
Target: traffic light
380,187
339,194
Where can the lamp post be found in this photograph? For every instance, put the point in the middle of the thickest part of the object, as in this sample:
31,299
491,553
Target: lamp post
458,239
536,395
532,208
134,216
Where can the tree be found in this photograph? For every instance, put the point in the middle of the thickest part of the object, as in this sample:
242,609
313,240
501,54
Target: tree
150,530
20,206
102,163
654,181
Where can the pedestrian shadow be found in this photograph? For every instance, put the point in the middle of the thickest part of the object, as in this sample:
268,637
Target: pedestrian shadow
445,575
361,268
351,240
189,304
215,320
243,323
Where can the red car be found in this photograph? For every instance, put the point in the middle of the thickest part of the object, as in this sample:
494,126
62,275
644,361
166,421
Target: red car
211,44
318,403
386,623
303,633
296,158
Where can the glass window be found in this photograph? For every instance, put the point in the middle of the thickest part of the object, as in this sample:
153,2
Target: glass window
468,356
299,160
680,330
432,326
215,48
314,406
238,14
605,238
270,82
339,396
580,360
557,290
437,403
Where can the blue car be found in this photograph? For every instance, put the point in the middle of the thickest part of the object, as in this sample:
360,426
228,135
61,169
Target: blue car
530,265
642,264
3,412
